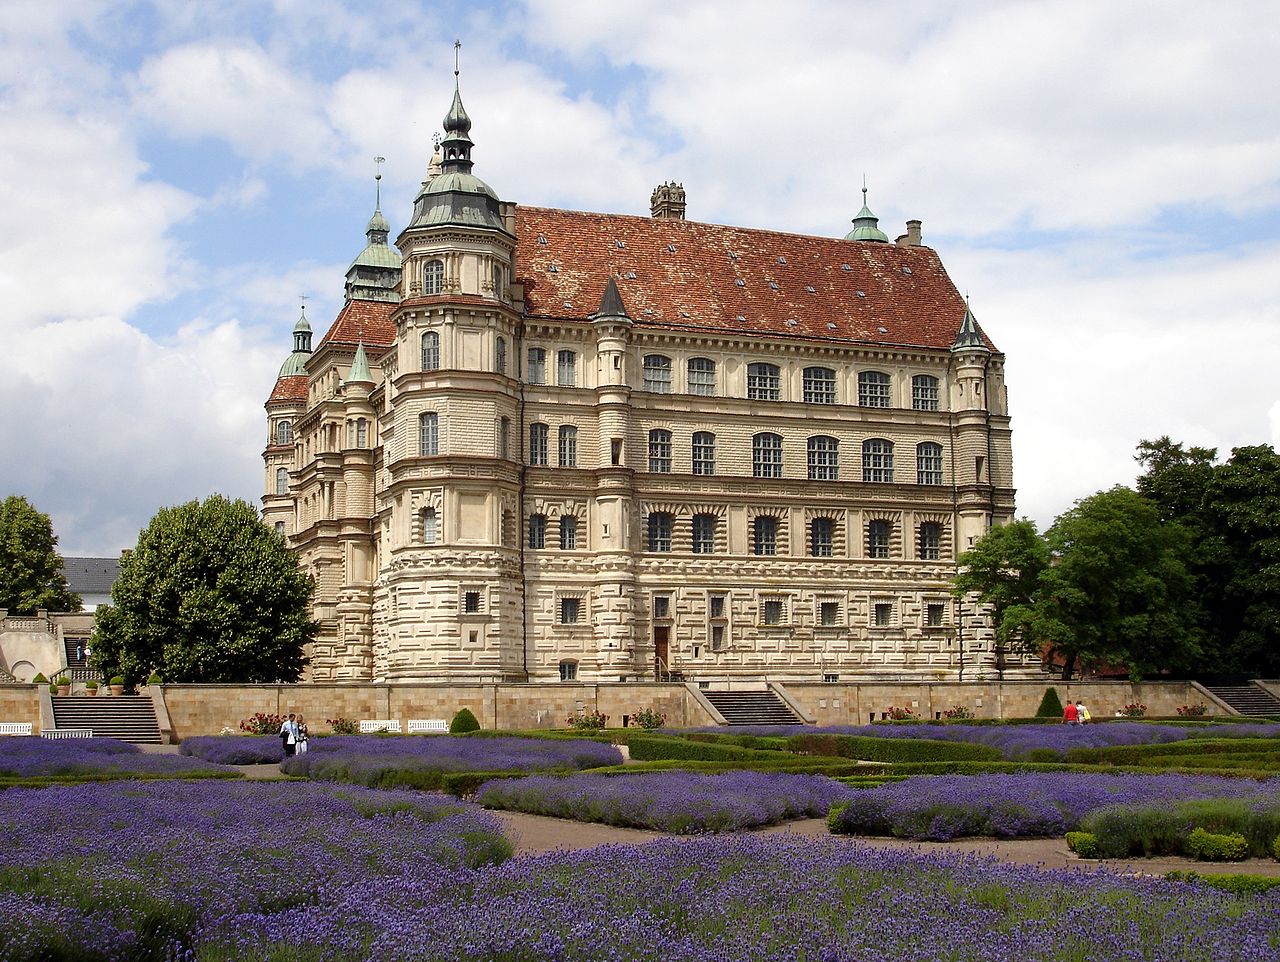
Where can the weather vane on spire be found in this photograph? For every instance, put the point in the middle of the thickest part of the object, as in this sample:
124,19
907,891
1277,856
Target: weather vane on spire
304,298
377,181
457,45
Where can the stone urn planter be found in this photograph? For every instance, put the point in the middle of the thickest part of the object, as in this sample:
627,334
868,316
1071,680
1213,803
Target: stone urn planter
64,686
117,685
91,688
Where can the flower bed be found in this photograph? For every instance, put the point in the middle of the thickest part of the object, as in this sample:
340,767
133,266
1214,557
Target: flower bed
758,898
1023,805
235,749
419,761
142,868
35,757
672,801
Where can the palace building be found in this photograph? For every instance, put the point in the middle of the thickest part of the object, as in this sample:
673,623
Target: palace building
547,445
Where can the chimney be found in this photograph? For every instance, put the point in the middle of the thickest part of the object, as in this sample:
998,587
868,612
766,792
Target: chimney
912,237
667,202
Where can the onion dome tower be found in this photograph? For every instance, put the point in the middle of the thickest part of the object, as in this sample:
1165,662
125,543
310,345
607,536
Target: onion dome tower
865,225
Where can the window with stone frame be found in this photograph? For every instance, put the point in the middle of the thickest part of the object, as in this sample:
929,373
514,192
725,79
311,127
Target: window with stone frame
567,444
766,455
660,451
430,351
717,637
928,463
504,437
656,373
879,533
824,458
470,602
704,533
500,355
567,368
284,432
538,444
924,392
874,389
882,614
828,614
568,532
362,433
716,604
430,525
764,382
282,480
428,434
935,614
660,525
930,541
568,669
433,277
819,385
702,376
773,611
661,607
822,536
764,535
536,370
877,461
537,531
704,452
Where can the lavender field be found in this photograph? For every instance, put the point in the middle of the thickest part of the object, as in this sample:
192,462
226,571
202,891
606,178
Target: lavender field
33,757
680,802
1021,805
235,749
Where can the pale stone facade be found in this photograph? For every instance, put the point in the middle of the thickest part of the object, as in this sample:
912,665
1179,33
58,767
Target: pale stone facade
541,445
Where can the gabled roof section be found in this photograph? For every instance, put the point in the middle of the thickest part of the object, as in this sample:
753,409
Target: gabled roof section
367,321
290,388
685,275
91,576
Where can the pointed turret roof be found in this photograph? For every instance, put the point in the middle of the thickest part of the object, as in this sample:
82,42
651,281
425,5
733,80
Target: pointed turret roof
360,367
969,337
611,302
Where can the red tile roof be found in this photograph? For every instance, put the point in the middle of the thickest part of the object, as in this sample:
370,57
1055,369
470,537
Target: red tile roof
367,321
292,388
685,275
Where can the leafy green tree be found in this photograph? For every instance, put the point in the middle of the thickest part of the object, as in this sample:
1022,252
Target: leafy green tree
1119,591
1003,569
210,594
30,568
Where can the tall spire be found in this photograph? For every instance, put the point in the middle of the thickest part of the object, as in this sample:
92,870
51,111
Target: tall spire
865,225
457,143
360,367
375,273
378,228
969,337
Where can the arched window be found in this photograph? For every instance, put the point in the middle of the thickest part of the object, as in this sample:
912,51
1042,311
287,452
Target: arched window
500,355
873,389
764,535
282,480
819,385
659,531
657,373
538,445
566,368
704,533
877,460
430,351
284,432
930,541
824,458
928,463
433,277
924,392
660,451
822,533
429,434
704,452
429,526
537,531
766,456
568,532
764,382
702,376
536,371
878,533
568,445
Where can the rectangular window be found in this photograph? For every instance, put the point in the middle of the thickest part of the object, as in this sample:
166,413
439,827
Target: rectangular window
764,382
717,637
570,612
568,533
715,606
882,615
429,434
766,456
878,539
704,452
771,611
819,385
764,535
661,606
568,671
537,531
924,392
538,445
660,451
568,445
702,376
930,541
504,437
821,537
657,373
659,531
566,368
829,614
704,533
471,602
830,679
873,389
536,372
933,615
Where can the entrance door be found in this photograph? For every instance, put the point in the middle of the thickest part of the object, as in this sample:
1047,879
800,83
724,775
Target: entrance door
661,653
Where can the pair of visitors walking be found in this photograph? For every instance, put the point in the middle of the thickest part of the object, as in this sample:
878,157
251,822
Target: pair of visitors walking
1076,714
293,735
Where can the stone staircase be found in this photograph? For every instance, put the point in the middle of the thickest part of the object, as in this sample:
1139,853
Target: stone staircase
752,708
1247,699
77,664
130,718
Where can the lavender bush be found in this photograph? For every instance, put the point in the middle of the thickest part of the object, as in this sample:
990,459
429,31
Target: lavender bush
235,749
383,761
32,756
1026,804
139,867
672,801
758,898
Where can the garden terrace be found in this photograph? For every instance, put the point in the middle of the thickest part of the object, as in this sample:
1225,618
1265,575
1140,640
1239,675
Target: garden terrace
30,757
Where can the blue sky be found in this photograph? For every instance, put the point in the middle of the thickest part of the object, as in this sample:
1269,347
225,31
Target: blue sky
1103,179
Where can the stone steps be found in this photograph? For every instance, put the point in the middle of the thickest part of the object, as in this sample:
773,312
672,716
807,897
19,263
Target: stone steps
130,718
752,708
1247,699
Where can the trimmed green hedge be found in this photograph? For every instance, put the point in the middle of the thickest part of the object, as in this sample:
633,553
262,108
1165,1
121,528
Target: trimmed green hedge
1235,883
868,748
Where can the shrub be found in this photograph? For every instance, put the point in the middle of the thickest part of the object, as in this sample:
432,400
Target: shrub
262,723
588,721
901,714
341,726
891,749
155,679
91,685
53,688
1084,844
117,680
40,679
1050,705
649,718
1208,847
1235,884
1275,849
1134,710
464,721
1193,711
64,682
958,712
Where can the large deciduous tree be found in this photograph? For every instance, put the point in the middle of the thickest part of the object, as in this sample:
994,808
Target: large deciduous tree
1003,569
30,568
210,594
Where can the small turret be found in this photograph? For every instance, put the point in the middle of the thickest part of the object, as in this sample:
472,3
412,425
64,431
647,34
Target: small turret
865,225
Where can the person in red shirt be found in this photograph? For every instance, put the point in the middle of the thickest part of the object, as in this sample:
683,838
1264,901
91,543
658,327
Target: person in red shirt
1070,716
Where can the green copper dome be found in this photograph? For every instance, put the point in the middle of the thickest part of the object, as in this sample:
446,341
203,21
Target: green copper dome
865,225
